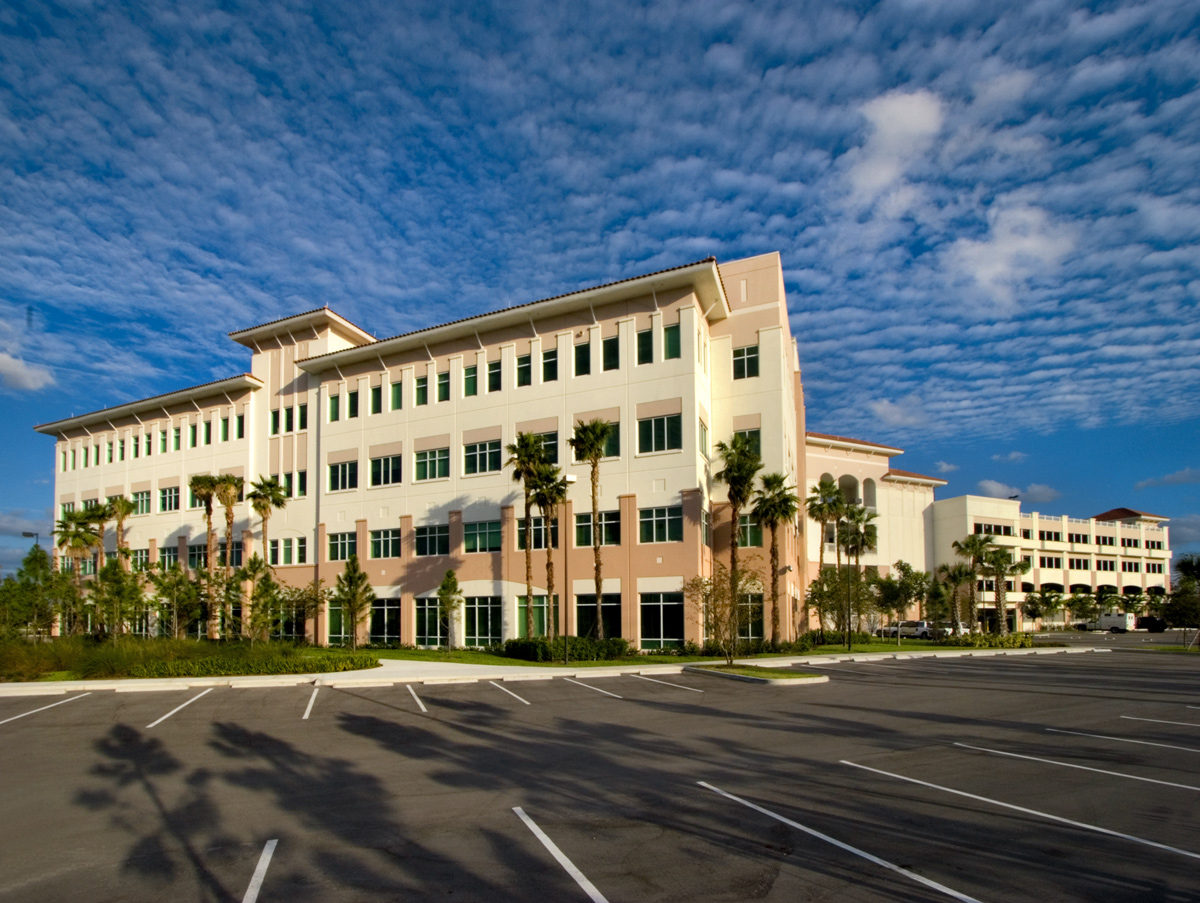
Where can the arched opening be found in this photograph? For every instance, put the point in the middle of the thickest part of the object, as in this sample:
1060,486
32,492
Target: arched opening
1132,590
849,487
1052,587
868,489
1081,588
1026,587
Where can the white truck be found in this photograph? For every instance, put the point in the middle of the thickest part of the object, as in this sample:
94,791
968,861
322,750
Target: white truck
1114,622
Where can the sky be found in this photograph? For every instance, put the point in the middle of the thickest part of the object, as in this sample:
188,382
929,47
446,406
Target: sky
988,213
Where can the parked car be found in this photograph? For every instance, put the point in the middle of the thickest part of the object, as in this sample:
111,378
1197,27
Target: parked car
1113,622
888,631
949,630
921,630
1151,624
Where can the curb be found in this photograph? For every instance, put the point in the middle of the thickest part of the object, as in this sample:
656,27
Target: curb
769,681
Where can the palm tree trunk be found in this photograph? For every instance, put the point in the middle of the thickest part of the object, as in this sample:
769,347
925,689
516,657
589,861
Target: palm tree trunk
734,601
596,547
528,568
550,581
774,584
1001,595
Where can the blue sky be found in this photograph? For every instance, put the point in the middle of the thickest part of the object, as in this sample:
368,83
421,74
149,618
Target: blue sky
988,214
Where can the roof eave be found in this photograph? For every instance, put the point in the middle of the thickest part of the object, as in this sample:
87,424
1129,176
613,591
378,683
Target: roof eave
321,315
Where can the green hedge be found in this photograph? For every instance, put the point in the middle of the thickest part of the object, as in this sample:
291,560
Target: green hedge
989,641
223,666
582,649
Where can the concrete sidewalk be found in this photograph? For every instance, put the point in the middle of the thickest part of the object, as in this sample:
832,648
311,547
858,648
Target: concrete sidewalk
393,671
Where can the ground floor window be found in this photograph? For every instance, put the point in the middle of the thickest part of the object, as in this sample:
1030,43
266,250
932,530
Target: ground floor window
339,626
541,625
385,621
750,619
432,630
481,620
610,611
662,620
287,622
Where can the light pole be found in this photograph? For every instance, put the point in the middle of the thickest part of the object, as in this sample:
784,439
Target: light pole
570,479
37,537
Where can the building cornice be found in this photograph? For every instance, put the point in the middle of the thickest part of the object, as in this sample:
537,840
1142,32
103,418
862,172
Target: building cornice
825,440
321,316
907,476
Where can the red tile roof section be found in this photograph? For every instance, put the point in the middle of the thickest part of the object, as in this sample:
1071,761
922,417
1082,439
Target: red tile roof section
910,475
1126,514
855,441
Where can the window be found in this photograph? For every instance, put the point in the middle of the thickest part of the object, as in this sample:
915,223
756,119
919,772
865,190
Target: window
537,533
470,381
168,499
175,442
301,550
225,429
397,396
342,546
543,615
706,527
1154,567
207,433
1106,564
135,441
482,620
703,438
432,629
241,422
1105,541
275,422
433,464
197,557
334,413
750,534
443,386
493,376
141,502
376,399
611,351
751,616
386,470
1026,534
433,540
745,362
610,529
1049,536
1129,543
343,476
1078,537
645,347
168,557
661,524
671,349
660,433
273,553
351,405
385,621
237,554
754,437
90,504
524,370
301,484
162,445
1131,567
482,536
385,543
422,390
610,614
550,446
65,508
110,454
149,445
1079,564
583,359
287,484
662,620
121,448
481,457
1049,561
550,366
1154,544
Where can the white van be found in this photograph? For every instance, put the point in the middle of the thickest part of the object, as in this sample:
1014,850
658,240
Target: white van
1114,623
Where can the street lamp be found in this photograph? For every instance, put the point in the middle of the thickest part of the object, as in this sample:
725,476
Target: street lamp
570,480
37,537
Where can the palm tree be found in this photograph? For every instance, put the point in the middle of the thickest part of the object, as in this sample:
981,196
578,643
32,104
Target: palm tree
776,503
742,464
971,548
75,535
824,506
855,535
122,508
266,494
100,514
999,565
548,492
589,444
203,487
227,491
527,455
955,576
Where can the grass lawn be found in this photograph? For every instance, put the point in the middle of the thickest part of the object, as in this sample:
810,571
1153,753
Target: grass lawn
756,671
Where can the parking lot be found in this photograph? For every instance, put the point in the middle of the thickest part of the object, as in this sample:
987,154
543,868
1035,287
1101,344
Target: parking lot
1047,777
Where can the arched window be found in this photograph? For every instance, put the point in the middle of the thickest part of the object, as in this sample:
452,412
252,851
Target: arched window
869,493
849,487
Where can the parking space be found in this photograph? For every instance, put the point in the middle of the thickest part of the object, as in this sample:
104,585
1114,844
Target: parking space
1008,778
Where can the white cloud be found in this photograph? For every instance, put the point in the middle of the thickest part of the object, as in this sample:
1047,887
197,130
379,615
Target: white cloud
18,375
1012,457
1040,493
1178,478
996,490
903,129
945,467
907,412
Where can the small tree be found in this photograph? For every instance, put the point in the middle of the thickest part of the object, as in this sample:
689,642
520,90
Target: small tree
450,600
116,598
1083,606
354,595
304,602
723,615
177,596
122,508
999,565
1042,603
897,592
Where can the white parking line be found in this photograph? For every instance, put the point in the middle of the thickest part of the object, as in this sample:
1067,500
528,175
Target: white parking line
311,700
177,708
843,846
417,698
1160,721
1057,818
666,683
43,708
260,872
509,692
1115,774
1124,740
588,888
590,687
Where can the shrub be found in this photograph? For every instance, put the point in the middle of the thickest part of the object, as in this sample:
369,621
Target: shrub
223,665
582,649
988,641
